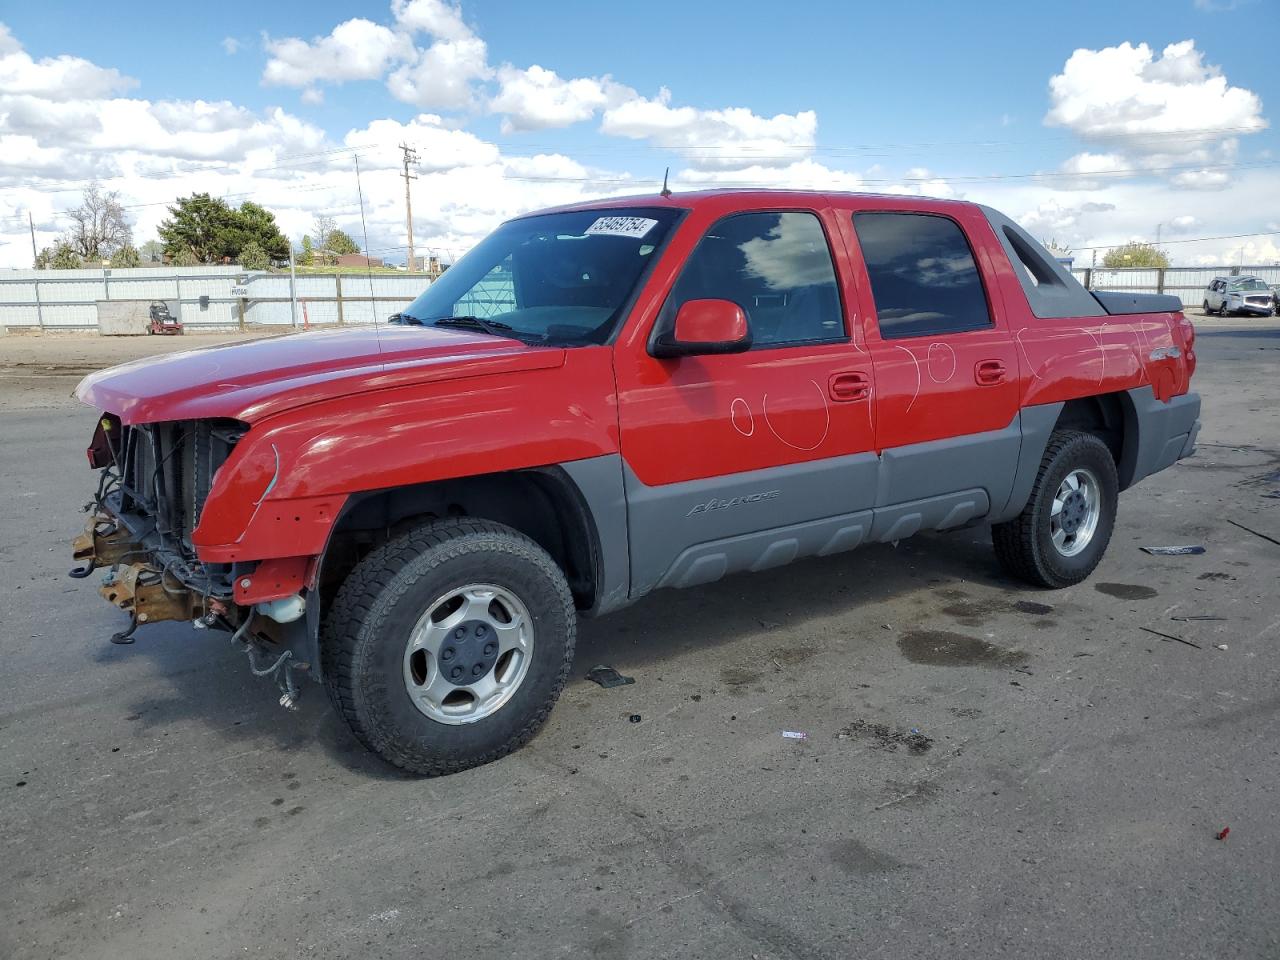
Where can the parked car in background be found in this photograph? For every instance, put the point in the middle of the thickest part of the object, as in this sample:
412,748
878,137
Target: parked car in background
1247,295
1275,298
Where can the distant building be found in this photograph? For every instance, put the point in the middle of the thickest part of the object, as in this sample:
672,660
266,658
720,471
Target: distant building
430,265
358,260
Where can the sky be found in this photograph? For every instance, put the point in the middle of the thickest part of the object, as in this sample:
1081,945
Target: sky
1090,123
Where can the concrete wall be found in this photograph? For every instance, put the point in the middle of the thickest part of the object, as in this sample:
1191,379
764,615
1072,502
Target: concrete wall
201,297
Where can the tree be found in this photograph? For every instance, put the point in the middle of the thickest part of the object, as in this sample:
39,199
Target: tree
340,243
152,251
185,258
99,227
210,230
308,254
61,256
198,225
1135,254
126,256
328,243
321,229
1056,248
253,257
258,225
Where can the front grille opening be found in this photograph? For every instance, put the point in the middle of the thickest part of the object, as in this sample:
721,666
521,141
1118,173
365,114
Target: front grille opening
166,472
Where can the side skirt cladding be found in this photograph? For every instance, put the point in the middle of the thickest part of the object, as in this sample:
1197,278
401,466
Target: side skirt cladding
695,532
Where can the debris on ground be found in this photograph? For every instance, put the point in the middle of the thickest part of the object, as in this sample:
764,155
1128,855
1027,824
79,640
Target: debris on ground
1170,636
1220,646
1189,619
1188,550
795,735
608,677
1222,834
883,737
635,718
1264,536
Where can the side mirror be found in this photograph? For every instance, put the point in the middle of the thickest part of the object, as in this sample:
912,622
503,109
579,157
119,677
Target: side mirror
705,327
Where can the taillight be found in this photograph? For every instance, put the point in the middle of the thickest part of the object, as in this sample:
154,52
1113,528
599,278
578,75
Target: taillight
1187,333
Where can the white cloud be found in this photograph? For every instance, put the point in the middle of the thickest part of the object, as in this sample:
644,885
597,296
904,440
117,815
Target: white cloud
1054,218
714,139
537,98
313,96
441,76
54,78
1129,95
440,19
356,49
231,46
1171,115
439,147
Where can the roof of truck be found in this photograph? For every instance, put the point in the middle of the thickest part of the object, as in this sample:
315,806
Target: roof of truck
688,200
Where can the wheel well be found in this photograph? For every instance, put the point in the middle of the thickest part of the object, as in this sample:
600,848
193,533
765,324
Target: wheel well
543,504
1109,416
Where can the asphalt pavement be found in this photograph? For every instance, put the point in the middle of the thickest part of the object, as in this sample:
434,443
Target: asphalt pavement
989,770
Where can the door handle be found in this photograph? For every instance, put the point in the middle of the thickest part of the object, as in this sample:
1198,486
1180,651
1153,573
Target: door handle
989,372
845,387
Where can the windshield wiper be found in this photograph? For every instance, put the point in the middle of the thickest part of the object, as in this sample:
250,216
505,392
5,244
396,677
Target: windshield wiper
495,328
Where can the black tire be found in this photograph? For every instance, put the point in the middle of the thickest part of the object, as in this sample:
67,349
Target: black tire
1024,545
1204,308
367,629
1222,309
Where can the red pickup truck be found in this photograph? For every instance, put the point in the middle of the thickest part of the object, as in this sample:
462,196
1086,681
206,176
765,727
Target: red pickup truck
604,399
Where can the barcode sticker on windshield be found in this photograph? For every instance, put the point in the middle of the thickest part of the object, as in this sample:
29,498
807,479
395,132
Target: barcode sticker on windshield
635,227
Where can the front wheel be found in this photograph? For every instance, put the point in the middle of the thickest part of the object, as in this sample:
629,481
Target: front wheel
1062,533
447,647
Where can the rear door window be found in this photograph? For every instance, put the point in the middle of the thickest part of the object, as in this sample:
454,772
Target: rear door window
923,275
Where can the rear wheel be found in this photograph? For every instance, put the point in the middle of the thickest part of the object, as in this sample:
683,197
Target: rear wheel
1204,308
448,646
1062,533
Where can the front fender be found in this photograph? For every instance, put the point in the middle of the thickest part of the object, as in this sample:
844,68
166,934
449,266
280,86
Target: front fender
321,454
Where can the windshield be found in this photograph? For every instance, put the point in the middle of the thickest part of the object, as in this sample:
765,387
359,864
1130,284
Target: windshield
560,278
1252,284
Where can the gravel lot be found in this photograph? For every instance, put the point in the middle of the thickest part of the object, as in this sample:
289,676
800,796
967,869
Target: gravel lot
990,771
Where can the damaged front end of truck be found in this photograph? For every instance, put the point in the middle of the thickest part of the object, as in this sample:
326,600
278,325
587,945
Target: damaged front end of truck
154,480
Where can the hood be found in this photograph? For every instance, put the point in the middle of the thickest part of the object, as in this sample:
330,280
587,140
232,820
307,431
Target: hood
254,380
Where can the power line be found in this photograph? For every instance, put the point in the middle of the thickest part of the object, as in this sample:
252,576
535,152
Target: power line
1165,243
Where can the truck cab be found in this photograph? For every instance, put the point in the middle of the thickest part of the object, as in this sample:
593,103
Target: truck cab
611,398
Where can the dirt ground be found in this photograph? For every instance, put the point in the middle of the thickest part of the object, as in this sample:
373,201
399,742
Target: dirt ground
989,770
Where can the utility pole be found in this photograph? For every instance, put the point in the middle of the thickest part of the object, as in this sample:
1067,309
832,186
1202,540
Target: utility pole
35,265
293,288
410,156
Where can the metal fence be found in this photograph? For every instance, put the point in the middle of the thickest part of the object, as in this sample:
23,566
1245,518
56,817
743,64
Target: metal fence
227,298
1186,283
207,298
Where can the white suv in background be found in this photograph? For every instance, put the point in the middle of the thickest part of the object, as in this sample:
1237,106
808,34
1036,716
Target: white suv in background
1249,295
